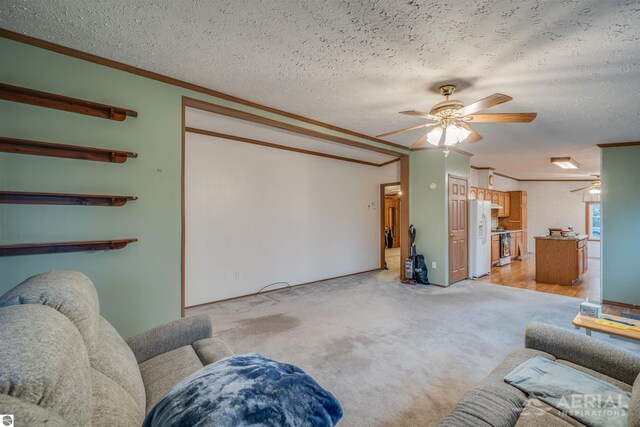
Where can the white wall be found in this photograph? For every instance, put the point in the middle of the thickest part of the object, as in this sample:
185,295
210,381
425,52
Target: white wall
270,215
552,204
473,177
501,183
389,173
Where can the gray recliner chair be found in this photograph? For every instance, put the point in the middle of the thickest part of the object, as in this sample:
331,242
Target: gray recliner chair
61,363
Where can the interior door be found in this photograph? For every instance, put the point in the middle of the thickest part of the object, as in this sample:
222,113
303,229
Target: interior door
392,218
458,230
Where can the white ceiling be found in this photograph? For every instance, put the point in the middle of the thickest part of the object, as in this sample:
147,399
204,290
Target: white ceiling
355,64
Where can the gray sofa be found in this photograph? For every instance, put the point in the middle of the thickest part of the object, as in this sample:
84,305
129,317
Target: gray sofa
62,364
494,403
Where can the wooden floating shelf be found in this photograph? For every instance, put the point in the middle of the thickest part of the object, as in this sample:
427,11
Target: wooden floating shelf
62,247
64,103
24,198
24,146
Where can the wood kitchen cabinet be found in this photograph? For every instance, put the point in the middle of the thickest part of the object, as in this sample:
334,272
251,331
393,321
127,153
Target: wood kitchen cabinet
495,249
516,240
518,217
473,193
480,194
506,206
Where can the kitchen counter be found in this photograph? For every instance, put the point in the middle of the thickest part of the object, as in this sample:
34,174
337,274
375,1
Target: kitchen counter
561,260
576,238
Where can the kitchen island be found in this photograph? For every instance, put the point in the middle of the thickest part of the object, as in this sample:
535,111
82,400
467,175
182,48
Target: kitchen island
561,260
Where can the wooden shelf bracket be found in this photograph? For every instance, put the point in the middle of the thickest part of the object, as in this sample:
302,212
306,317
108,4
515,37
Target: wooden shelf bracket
24,146
64,103
27,198
62,247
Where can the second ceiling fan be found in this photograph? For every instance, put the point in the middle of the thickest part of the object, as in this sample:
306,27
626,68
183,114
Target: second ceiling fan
450,118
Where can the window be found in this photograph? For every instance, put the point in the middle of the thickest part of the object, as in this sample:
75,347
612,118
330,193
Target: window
593,220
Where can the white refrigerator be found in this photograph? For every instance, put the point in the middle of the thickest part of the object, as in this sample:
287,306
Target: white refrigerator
479,238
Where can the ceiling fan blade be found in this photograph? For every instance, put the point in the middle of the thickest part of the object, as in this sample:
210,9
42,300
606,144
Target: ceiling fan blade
419,142
415,113
583,188
484,103
474,136
405,130
501,118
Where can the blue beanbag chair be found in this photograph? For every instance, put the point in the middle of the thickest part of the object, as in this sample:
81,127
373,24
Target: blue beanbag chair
246,390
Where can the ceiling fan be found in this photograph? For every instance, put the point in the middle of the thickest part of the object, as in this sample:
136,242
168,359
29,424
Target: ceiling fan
594,188
450,118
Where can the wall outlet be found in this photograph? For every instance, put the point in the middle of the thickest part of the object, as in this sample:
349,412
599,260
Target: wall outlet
237,275
433,264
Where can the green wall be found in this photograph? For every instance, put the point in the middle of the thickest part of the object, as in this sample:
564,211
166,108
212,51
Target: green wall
139,286
429,208
621,224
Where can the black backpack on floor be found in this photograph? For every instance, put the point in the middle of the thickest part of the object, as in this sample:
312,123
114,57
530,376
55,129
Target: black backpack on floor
421,275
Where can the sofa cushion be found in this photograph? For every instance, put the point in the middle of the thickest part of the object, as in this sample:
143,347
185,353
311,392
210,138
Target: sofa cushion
210,350
538,414
114,358
69,292
162,372
29,414
45,362
112,405
488,405
582,350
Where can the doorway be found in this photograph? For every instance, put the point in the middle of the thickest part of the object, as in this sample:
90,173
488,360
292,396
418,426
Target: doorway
458,229
391,226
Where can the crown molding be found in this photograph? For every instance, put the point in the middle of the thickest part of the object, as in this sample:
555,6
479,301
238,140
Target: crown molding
457,150
43,44
619,144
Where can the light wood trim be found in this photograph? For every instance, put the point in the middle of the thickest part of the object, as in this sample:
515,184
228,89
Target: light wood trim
621,304
63,247
389,162
230,112
482,168
51,149
506,176
279,289
59,102
277,146
32,198
587,223
176,82
404,213
619,144
457,150
383,244
555,180
530,180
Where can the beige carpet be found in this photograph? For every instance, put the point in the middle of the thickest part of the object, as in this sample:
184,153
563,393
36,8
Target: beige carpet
394,355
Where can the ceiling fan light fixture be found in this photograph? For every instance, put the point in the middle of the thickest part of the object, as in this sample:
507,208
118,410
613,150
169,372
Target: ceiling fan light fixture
595,191
434,136
456,134
565,162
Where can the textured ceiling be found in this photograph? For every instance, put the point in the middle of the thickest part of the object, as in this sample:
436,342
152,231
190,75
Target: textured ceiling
355,64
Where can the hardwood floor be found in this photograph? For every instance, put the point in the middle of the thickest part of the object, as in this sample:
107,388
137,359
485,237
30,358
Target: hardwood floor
522,274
